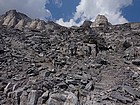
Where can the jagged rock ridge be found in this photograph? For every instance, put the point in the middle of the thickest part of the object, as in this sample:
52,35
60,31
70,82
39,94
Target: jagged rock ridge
84,65
20,21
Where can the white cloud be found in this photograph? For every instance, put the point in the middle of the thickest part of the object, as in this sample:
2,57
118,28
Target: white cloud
69,23
86,10
33,8
89,9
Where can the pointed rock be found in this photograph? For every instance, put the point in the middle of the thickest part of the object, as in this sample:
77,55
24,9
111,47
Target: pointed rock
20,25
8,19
86,23
11,12
100,21
33,24
14,19
40,25
13,22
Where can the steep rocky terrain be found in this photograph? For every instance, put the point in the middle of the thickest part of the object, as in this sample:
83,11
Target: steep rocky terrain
47,64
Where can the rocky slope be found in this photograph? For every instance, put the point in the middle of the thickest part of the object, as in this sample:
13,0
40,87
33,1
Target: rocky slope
95,64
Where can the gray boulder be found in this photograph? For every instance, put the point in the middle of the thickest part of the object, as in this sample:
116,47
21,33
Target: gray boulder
66,98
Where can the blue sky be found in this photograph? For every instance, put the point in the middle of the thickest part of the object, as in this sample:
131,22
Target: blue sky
74,12
68,8
132,12
65,11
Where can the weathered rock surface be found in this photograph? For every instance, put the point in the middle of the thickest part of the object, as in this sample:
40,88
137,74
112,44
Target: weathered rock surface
101,21
12,17
21,21
47,64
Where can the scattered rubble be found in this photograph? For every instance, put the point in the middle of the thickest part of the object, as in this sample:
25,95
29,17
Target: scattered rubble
47,64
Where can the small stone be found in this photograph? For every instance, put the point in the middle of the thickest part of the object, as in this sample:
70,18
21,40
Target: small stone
9,86
62,85
89,86
136,62
121,97
71,81
72,87
126,44
129,90
84,81
135,75
45,95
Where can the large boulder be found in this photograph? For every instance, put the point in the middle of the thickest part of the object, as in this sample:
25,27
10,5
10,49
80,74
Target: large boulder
32,97
66,98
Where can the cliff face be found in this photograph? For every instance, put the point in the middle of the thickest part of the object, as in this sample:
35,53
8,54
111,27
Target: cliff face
95,64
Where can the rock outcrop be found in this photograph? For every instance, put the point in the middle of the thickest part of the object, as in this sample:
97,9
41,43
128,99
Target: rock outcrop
101,21
12,17
21,21
68,66
20,25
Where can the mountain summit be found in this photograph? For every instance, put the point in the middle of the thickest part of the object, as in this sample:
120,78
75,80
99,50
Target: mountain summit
13,18
101,21
20,21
